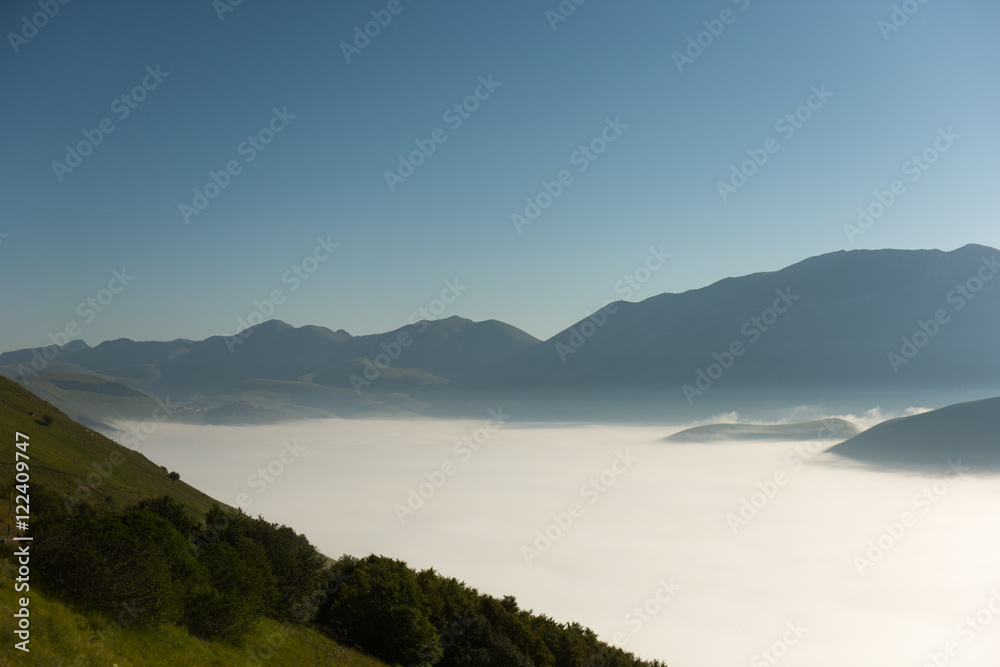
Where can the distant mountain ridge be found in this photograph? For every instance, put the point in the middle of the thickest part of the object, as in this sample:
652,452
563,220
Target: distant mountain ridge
878,320
828,321
272,371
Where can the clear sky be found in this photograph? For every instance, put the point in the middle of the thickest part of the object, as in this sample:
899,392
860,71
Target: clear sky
608,65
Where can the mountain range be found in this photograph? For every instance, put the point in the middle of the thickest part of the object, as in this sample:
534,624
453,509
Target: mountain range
862,320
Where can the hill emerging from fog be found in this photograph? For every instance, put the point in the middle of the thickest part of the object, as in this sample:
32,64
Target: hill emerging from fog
968,433
822,429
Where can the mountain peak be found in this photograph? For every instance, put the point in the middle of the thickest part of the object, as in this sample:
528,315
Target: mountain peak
272,326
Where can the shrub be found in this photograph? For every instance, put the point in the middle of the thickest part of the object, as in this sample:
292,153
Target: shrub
297,567
135,563
380,608
243,571
216,615
172,512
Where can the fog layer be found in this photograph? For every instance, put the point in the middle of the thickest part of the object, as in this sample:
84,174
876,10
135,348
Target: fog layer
701,555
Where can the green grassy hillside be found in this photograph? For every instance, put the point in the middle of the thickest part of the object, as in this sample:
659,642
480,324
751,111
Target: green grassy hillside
70,459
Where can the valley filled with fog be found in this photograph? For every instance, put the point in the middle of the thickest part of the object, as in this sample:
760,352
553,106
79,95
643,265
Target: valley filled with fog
699,554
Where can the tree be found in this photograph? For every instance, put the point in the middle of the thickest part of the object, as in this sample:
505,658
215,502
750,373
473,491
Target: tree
172,512
380,608
133,563
242,570
297,567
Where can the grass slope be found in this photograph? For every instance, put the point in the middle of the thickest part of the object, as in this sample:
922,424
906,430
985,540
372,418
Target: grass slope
62,635
66,456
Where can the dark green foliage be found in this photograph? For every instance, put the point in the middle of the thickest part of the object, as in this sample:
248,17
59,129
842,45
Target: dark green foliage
380,607
215,615
151,564
242,571
140,562
45,505
383,607
297,567
172,512
174,476
134,562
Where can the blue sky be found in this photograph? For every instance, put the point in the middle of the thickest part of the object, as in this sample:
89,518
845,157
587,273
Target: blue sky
323,175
